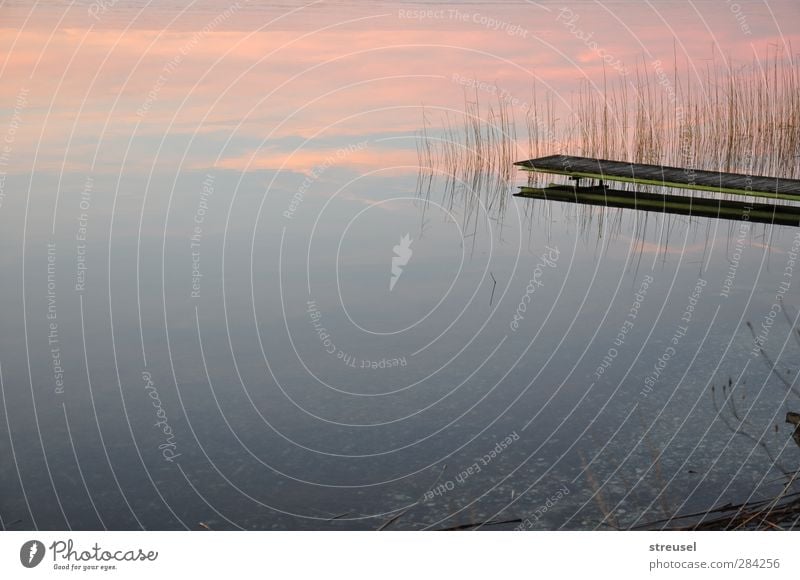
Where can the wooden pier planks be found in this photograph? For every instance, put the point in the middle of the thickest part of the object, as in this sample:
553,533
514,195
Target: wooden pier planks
677,177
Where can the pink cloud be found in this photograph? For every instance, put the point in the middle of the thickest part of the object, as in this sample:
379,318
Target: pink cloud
306,160
104,83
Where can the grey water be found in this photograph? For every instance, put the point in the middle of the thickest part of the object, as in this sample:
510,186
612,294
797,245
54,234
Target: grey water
227,304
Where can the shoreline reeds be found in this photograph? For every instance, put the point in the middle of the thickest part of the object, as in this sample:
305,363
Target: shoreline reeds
739,119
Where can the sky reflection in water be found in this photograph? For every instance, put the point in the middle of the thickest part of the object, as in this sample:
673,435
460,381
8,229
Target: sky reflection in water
202,210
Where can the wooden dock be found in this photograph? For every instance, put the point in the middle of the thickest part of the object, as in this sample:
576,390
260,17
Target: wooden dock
605,170
787,215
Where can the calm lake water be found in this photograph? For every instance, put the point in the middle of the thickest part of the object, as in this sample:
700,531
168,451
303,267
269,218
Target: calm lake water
227,303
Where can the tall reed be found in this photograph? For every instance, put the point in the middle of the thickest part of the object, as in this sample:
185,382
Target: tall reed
742,119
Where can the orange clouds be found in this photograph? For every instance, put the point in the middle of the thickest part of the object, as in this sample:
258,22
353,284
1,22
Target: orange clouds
310,160
328,72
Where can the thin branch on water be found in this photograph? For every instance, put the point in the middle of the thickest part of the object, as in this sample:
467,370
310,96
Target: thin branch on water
397,516
772,366
474,525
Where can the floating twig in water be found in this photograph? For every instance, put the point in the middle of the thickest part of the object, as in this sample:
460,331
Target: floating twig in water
479,524
772,366
397,516
494,285
794,419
